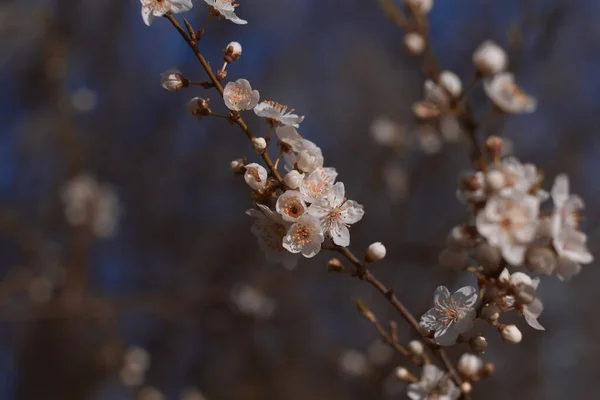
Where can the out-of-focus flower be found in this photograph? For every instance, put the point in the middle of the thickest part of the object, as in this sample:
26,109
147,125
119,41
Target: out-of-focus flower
489,58
336,214
520,281
434,384
451,315
290,205
252,301
396,181
239,96
270,229
509,224
507,96
472,187
227,9
317,184
469,365
511,334
414,42
354,363
157,8
171,80
256,176
387,133
304,236
150,393
277,114
420,6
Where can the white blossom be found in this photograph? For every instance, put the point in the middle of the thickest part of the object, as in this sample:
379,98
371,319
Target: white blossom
507,96
434,385
255,176
532,310
227,9
518,178
469,365
414,42
309,157
239,96
336,214
270,229
472,188
171,80
293,179
234,50
290,205
158,8
489,58
509,224
304,236
278,114
451,315
317,184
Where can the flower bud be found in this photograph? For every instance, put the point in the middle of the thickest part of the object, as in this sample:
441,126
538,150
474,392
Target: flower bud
335,265
238,166
293,179
495,180
426,110
541,260
510,333
488,257
454,259
306,161
466,387
416,348
488,369
198,107
260,144
415,43
376,252
490,312
233,52
451,83
478,344
172,80
469,365
419,6
489,58
404,375
495,147
255,176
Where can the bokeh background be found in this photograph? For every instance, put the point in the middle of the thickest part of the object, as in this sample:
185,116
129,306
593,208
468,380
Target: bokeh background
167,294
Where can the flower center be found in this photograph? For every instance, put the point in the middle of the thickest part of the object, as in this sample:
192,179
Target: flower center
237,95
448,310
280,108
294,209
303,235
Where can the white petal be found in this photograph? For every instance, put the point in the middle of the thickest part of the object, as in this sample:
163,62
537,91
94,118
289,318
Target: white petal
446,337
340,234
514,254
441,293
466,296
352,212
560,190
147,15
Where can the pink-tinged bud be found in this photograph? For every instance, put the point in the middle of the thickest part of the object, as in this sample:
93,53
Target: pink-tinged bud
198,107
233,52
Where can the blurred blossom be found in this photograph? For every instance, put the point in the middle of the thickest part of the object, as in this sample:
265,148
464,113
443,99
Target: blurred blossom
150,393
396,181
40,289
192,394
84,100
380,353
136,362
131,377
253,302
450,129
353,363
429,139
387,133
87,202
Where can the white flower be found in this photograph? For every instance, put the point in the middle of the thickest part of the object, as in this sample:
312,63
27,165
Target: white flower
450,82
290,205
293,179
472,187
532,310
255,176
507,96
451,315
227,9
489,58
434,385
277,114
469,365
239,96
518,178
441,93
386,132
270,229
158,8
509,224
317,184
171,80
336,214
304,236
568,241
309,156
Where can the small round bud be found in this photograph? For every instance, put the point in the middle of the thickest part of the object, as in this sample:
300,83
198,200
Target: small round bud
172,80
416,347
510,333
238,166
469,365
426,110
488,257
415,43
233,52
454,259
260,144
335,265
451,83
494,146
293,179
198,107
490,312
541,260
495,180
404,375
478,344
419,6
306,161
466,387
489,58
376,252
